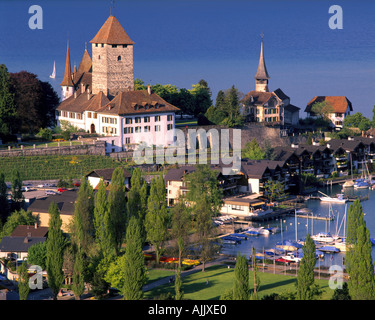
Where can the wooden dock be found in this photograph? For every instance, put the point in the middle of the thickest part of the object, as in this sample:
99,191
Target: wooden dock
315,217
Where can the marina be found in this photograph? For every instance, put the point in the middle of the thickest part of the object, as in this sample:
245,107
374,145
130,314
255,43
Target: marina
325,220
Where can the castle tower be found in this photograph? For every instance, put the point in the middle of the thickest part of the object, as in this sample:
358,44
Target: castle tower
261,77
67,86
112,59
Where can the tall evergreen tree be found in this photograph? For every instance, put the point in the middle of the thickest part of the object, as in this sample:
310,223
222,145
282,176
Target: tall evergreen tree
82,226
55,250
23,281
178,285
305,278
4,206
135,271
16,189
241,289
156,216
7,105
117,207
78,276
103,236
358,258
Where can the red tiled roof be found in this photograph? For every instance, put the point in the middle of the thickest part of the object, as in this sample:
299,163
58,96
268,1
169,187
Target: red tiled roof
339,104
112,33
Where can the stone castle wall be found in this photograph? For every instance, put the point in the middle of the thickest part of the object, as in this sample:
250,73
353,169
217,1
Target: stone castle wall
98,148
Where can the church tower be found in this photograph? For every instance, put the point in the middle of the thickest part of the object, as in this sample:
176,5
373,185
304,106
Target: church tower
67,86
112,59
261,77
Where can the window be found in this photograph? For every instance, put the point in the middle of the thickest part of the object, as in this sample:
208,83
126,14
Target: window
113,142
96,45
79,116
137,119
169,117
124,45
88,114
265,111
169,126
138,129
102,45
127,140
146,128
128,120
119,58
95,115
157,118
146,119
157,128
128,130
99,57
114,46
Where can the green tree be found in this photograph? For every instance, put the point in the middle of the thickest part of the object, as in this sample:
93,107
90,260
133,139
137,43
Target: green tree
37,254
241,289
78,275
203,186
274,189
341,294
305,278
4,206
322,109
202,96
358,258
178,285
20,217
156,216
16,190
256,278
55,250
117,207
82,223
134,265
7,105
23,281
137,199
253,151
232,108
103,235
180,226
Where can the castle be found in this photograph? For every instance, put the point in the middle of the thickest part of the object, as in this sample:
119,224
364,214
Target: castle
99,96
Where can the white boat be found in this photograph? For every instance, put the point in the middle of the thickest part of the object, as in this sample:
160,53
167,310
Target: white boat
338,199
292,257
325,237
53,75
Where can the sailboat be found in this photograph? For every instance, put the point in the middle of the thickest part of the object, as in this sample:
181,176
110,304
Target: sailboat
53,75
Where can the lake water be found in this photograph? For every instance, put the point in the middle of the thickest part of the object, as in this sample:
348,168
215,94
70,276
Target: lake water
290,232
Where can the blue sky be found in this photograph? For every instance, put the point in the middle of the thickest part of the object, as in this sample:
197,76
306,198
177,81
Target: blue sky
180,42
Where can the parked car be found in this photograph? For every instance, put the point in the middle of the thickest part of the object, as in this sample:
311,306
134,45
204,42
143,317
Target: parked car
25,189
62,190
41,186
50,192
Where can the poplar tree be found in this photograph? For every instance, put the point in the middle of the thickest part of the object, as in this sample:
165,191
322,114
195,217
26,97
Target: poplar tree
134,267
103,236
117,207
55,250
156,216
305,278
358,260
241,289
23,281
137,199
4,206
78,276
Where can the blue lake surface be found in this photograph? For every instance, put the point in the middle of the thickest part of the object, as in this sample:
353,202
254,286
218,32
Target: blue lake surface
290,232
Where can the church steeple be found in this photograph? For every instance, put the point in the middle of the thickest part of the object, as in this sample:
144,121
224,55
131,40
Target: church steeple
261,77
67,85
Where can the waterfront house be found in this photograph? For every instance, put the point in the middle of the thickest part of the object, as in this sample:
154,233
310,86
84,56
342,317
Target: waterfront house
340,108
245,207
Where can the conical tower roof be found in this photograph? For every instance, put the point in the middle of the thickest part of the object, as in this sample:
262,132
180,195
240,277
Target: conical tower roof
262,73
67,81
86,63
112,33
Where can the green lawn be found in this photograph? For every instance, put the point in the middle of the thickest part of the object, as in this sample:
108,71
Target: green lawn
220,279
